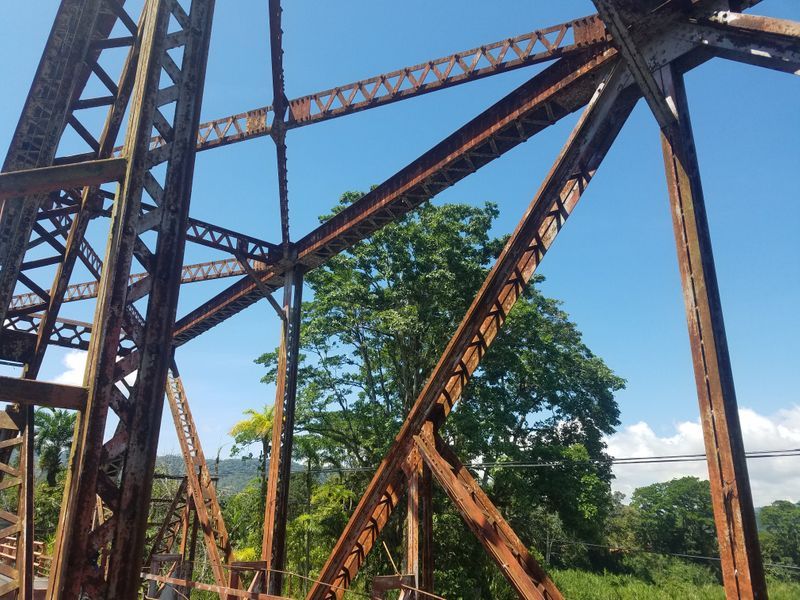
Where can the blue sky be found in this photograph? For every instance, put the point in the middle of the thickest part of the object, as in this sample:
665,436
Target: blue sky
613,266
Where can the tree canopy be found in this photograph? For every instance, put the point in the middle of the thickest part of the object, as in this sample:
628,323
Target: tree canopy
675,516
379,316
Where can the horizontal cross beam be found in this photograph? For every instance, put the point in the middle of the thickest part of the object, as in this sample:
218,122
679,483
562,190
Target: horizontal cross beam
752,39
40,393
557,41
19,184
217,269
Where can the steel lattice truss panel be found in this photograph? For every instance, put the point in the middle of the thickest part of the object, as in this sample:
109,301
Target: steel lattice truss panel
139,135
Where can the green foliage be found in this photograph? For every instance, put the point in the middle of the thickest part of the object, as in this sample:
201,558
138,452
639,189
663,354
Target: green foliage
54,430
244,516
780,534
47,505
255,429
675,516
379,317
580,585
233,473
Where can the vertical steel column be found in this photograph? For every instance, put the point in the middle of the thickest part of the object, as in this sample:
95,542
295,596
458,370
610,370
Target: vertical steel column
120,471
25,540
411,566
739,549
273,550
425,490
72,543
279,106
419,530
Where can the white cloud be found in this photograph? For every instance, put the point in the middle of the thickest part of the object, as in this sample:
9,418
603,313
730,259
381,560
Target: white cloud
75,362
770,478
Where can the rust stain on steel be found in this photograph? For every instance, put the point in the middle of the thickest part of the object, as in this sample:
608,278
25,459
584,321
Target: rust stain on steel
93,548
544,218
440,73
520,568
216,269
201,486
273,550
740,554
549,96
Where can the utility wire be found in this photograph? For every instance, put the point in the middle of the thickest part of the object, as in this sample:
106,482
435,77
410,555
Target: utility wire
629,460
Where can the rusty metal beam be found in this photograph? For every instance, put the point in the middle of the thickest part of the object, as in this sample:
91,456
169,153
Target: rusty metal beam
276,517
19,184
743,572
383,583
757,24
76,246
126,458
120,470
412,542
512,557
560,89
628,47
42,393
167,534
565,39
222,591
751,39
426,562
574,168
19,337
197,231
279,106
218,269
201,486
60,78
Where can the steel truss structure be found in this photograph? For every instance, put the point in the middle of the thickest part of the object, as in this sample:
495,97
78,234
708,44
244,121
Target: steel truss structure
601,64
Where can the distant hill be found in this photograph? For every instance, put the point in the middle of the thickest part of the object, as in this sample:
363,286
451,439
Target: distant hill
234,473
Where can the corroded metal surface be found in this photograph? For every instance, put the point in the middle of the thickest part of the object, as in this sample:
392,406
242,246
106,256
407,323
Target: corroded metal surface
602,64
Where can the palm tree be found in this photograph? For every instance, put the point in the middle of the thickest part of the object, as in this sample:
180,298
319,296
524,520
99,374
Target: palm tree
256,428
54,429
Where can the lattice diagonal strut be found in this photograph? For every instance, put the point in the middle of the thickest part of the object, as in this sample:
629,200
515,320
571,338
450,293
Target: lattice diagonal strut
593,135
564,39
201,487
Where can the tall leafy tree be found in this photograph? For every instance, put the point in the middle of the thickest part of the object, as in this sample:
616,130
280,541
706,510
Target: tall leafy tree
381,314
675,516
780,532
54,429
255,429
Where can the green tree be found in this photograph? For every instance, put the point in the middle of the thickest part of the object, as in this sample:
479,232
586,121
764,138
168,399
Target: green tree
255,429
54,429
380,315
780,532
675,516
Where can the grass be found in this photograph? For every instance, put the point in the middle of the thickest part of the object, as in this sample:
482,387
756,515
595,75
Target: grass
580,585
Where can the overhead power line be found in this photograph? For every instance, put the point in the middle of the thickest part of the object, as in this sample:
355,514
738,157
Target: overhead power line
629,460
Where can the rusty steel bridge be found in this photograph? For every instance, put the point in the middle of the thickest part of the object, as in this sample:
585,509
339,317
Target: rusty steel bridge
135,175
